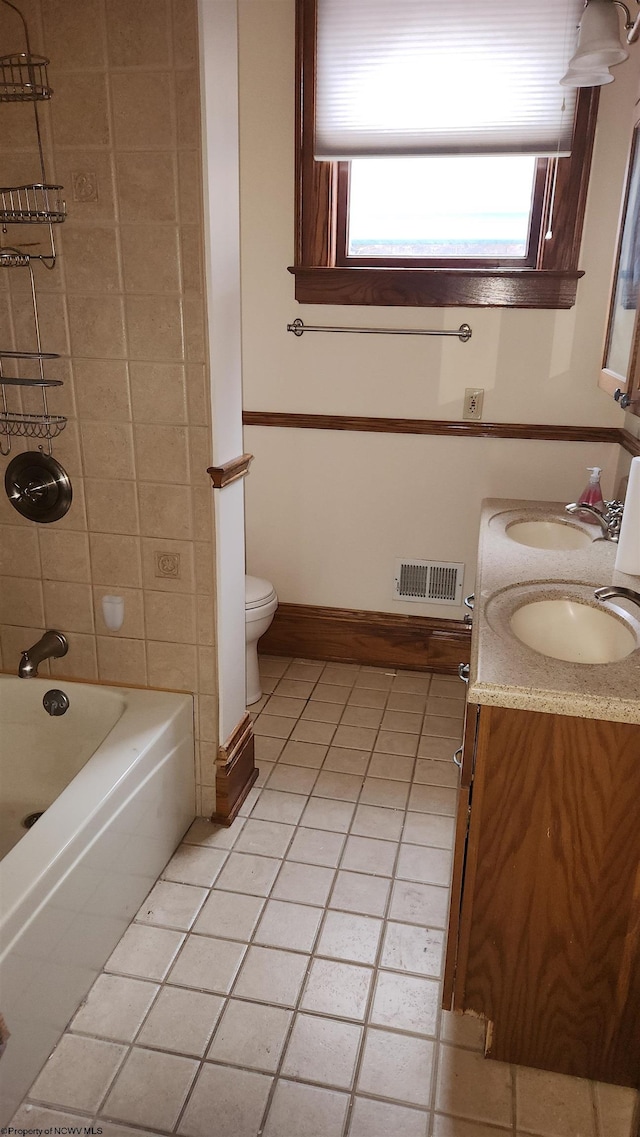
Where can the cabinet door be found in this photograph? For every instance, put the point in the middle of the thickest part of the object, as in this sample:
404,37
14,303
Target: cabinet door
468,751
549,935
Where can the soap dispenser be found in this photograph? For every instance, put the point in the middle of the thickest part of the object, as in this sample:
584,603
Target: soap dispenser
592,495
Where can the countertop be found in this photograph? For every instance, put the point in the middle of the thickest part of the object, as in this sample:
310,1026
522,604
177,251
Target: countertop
505,672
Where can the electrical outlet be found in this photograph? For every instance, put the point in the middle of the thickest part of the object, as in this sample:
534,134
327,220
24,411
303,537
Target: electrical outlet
473,397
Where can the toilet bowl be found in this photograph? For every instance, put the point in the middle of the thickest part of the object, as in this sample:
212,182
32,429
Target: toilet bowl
260,604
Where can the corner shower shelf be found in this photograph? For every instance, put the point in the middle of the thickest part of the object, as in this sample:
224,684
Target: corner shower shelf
36,203
23,78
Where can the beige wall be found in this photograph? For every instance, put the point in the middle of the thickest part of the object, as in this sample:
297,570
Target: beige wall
327,513
125,305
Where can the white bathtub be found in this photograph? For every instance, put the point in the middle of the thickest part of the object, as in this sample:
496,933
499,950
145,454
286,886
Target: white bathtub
115,776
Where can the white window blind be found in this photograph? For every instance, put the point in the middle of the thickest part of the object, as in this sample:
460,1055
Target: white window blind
403,77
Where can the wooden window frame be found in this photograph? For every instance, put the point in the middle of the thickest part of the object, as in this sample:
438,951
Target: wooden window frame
319,279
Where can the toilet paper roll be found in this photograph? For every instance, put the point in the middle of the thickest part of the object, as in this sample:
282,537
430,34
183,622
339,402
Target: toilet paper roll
628,555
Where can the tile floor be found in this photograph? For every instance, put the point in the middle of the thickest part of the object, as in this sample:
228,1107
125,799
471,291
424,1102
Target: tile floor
283,976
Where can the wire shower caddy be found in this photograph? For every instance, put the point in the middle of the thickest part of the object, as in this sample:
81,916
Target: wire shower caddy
24,79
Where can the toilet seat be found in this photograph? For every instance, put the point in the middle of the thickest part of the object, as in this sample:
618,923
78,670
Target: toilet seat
258,592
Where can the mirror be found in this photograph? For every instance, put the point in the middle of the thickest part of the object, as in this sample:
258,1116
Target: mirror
621,365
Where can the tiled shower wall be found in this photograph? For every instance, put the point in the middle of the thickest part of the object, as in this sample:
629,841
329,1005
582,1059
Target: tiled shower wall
124,306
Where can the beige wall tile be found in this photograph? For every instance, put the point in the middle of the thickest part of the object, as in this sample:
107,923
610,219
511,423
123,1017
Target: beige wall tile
205,620
79,112
115,560
203,511
198,394
96,325
168,566
90,258
201,448
154,328
170,617
191,258
138,34
102,390
158,392
121,660
142,108
64,556
87,176
74,34
52,317
165,511
81,661
206,671
172,665
185,33
68,606
107,450
19,551
206,754
133,623
150,258
189,187
162,454
204,565
194,334
187,108
146,186
21,601
16,125
208,718
112,506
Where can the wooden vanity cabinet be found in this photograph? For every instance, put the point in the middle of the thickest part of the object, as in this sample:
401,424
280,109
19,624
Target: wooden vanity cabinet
544,934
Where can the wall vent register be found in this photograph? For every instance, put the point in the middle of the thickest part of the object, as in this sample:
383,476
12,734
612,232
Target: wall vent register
435,582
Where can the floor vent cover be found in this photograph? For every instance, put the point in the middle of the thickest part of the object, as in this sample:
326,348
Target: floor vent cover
436,582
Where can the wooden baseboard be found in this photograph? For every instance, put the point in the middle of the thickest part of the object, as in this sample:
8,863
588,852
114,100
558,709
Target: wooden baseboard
235,772
378,639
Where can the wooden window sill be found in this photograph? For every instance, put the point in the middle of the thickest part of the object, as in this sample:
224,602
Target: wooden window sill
437,287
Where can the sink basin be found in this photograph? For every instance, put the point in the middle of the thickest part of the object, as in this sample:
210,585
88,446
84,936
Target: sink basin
573,631
548,535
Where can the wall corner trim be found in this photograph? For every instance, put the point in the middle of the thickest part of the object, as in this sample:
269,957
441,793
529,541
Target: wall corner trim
230,471
235,771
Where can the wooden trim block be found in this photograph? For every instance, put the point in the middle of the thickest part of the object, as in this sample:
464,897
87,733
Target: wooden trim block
235,772
379,639
229,472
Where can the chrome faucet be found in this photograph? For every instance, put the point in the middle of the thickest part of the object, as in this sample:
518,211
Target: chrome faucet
53,645
610,592
609,521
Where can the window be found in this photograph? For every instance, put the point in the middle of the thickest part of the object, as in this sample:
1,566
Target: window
421,211
499,249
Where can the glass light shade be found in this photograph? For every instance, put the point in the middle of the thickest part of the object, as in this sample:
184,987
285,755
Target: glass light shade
596,77
599,45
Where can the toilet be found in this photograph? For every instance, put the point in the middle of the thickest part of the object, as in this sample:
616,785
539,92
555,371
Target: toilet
260,604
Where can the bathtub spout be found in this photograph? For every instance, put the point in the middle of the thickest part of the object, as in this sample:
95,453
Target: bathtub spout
52,645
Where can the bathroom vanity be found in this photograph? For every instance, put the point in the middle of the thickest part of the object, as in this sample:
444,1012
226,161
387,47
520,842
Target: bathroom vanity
544,931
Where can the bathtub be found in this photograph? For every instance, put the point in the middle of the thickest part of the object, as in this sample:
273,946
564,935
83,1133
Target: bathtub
115,779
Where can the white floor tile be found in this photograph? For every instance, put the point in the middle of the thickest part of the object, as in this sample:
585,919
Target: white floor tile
271,976
338,989
250,1034
380,1119
305,1111
144,951
207,964
230,915
322,1050
181,1021
350,937
115,1007
405,1002
413,948
78,1073
292,926
397,1066
227,1102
